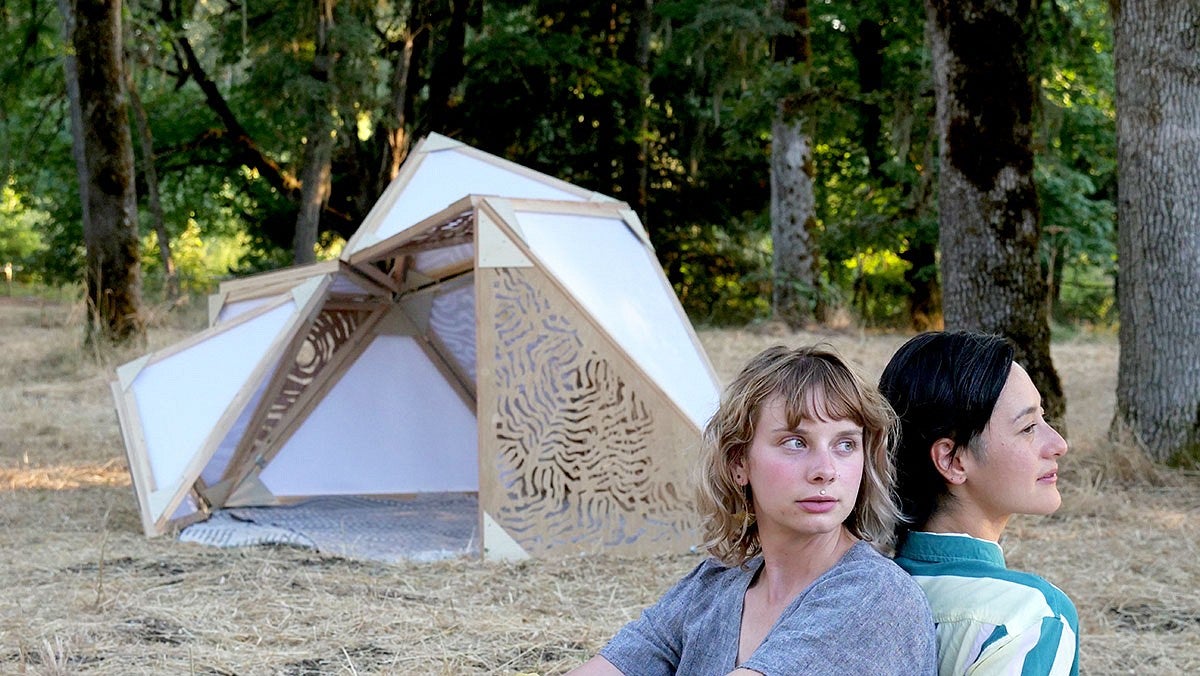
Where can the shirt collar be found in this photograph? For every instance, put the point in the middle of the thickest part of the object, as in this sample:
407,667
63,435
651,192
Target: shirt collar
945,547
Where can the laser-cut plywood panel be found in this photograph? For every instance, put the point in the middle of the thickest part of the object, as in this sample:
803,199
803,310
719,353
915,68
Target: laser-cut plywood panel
578,450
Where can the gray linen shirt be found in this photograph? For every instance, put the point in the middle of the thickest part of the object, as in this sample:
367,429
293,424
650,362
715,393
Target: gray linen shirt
863,616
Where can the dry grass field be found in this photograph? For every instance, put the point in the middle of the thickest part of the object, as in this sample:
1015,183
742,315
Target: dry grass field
82,591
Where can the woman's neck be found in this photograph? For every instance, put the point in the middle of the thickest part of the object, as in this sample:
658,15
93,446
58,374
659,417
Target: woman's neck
790,566
962,519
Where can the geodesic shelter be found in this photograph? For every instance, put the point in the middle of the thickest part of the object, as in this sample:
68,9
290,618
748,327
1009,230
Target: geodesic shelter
524,347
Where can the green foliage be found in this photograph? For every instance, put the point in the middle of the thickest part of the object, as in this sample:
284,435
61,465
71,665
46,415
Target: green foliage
1075,170
561,86
724,273
200,262
20,236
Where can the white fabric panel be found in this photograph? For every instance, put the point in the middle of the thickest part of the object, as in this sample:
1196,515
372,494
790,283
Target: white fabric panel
344,284
391,424
241,307
224,453
186,508
433,260
620,283
445,176
181,398
453,322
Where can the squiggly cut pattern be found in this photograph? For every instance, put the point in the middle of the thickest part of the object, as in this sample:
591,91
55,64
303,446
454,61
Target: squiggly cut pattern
576,441
457,230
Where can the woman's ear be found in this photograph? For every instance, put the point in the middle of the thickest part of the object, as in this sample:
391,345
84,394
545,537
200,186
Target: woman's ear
741,474
948,461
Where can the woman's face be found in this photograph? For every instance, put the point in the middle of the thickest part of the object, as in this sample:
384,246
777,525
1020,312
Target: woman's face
804,480
1017,471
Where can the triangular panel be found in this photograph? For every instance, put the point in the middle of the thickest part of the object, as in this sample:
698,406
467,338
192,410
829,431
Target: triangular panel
391,425
436,174
578,450
184,395
617,279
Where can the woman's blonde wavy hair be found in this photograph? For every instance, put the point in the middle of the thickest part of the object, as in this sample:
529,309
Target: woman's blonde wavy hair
816,384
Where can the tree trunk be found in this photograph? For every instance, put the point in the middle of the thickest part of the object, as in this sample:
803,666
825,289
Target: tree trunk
988,209
394,129
170,277
318,151
111,232
635,50
71,71
796,297
1157,59
448,66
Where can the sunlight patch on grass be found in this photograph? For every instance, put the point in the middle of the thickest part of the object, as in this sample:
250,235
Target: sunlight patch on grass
63,477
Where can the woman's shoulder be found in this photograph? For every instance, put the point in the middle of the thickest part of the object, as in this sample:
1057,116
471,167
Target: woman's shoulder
1041,590
872,573
711,571
863,558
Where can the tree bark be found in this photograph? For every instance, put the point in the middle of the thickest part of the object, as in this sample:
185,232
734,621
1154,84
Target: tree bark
71,71
988,210
170,277
111,232
796,296
1157,55
318,152
448,66
394,129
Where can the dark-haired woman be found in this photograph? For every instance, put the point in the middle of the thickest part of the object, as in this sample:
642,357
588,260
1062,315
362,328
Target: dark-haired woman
974,450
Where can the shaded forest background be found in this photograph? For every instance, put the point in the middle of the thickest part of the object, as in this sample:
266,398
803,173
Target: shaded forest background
667,105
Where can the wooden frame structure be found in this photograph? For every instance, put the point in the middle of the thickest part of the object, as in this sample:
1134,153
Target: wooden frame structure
527,349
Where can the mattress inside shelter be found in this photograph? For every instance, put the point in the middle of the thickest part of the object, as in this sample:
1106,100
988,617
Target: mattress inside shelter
425,527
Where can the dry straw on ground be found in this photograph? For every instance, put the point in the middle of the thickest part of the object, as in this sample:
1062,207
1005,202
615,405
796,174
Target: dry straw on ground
82,591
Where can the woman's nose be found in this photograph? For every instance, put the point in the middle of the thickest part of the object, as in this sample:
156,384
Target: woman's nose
1057,444
822,470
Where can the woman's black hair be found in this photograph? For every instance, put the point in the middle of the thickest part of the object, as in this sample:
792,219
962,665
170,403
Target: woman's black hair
943,385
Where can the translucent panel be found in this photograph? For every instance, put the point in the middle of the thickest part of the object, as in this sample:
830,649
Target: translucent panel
428,262
181,398
445,176
453,323
345,285
225,450
187,507
390,425
620,283
233,310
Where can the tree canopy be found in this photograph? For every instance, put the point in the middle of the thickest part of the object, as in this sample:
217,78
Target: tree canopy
667,105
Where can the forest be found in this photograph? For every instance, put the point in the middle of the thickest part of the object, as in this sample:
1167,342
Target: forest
790,160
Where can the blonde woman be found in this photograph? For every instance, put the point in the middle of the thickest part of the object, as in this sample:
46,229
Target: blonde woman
795,494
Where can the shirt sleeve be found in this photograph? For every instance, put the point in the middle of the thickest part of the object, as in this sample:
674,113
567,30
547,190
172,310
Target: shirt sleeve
653,643
866,619
1048,648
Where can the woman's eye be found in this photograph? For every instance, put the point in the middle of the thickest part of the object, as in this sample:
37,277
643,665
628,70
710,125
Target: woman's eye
847,446
1029,429
794,443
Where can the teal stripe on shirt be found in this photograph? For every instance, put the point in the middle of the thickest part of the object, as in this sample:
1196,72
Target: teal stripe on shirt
981,605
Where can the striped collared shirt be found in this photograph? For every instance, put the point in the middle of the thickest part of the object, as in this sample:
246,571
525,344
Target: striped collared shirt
991,620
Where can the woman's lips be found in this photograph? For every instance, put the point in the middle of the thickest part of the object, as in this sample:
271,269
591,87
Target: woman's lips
1049,477
818,505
